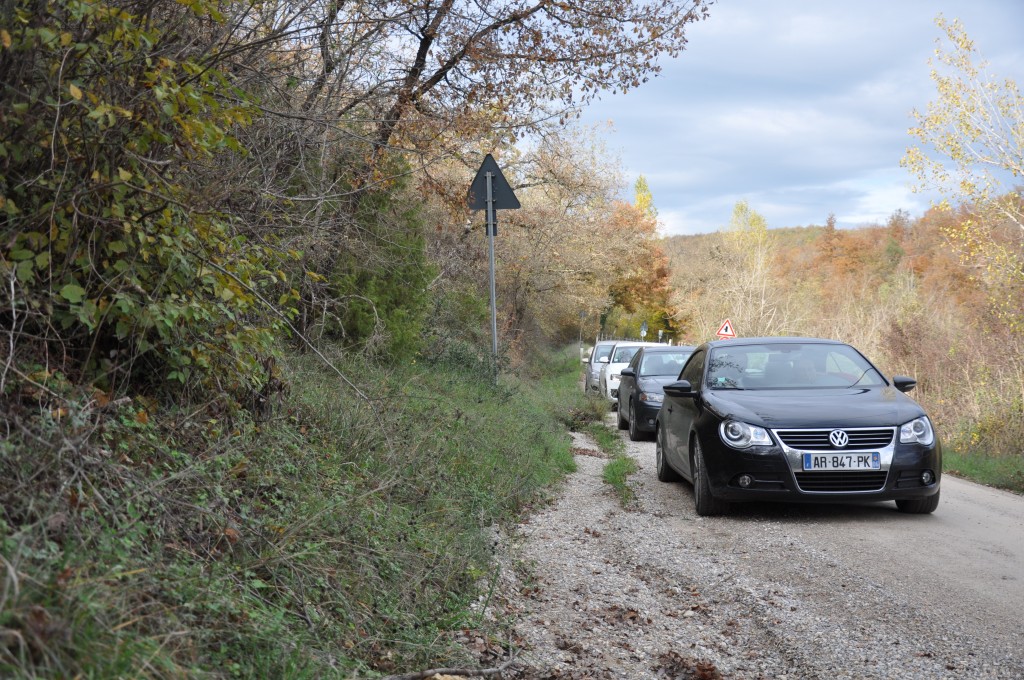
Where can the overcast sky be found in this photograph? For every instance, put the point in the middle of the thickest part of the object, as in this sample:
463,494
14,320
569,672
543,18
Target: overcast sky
799,107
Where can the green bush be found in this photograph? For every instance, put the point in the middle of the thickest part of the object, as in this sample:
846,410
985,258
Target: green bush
118,265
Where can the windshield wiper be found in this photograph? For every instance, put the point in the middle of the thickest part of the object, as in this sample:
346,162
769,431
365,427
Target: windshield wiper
866,370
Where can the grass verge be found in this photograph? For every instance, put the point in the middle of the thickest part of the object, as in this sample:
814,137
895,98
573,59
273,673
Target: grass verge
340,536
616,471
1004,472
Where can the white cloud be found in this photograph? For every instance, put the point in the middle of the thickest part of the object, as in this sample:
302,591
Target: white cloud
801,108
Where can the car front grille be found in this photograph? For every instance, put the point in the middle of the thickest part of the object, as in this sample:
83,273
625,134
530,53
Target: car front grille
841,481
818,440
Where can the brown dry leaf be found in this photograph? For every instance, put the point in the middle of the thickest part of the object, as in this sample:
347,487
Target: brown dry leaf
232,535
142,417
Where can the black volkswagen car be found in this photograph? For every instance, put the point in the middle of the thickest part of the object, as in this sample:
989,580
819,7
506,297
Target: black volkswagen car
641,386
795,419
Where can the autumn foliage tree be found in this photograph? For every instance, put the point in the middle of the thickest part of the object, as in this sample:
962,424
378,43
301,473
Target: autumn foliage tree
416,71
970,147
641,293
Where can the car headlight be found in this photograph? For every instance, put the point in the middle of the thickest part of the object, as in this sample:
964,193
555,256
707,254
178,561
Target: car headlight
917,431
740,435
652,397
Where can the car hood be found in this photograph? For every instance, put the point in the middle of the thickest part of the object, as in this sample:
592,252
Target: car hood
848,407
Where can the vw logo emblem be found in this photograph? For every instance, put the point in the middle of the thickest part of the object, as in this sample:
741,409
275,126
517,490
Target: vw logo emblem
838,438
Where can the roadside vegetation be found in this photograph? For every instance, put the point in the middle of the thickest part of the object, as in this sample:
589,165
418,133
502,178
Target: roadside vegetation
340,533
250,421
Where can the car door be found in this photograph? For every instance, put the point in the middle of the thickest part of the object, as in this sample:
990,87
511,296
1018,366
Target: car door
627,385
688,411
677,416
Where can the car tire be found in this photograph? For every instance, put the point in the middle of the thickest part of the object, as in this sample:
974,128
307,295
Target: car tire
634,433
664,470
919,506
620,421
706,504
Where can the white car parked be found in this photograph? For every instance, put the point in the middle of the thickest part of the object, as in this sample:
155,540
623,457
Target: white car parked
619,358
592,369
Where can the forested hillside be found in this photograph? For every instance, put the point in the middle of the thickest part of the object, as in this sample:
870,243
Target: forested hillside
902,292
251,426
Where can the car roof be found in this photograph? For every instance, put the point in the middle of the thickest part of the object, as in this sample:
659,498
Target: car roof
639,343
779,340
661,349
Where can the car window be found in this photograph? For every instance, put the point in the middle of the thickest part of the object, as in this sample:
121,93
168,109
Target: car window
624,354
601,351
693,369
663,363
789,365
635,361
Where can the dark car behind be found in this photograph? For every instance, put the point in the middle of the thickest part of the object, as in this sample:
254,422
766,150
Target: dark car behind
641,387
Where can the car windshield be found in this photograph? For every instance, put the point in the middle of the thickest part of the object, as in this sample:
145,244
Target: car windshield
623,355
789,365
663,363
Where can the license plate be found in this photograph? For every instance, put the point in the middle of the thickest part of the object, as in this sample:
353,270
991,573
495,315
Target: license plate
842,461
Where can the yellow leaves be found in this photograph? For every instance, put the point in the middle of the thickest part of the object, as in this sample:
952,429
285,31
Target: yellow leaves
5,38
240,468
125,175
76,93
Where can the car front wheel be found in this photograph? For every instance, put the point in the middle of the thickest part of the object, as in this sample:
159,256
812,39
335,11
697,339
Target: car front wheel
706,504
919,506
634,432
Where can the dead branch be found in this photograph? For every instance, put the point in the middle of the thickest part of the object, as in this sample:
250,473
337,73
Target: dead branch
462,672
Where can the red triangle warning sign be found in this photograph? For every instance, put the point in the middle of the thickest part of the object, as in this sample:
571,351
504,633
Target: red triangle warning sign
726,331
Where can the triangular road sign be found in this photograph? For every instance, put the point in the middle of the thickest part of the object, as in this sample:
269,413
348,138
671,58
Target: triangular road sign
726,331
501,193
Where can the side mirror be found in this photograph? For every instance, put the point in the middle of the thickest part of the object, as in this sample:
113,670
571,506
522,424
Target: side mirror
903,383
681,389
627,371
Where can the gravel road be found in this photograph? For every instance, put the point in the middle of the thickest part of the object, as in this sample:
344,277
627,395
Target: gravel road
770,591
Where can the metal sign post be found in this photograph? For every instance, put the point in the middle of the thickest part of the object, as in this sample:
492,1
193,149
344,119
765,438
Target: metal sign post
492,228
490,191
